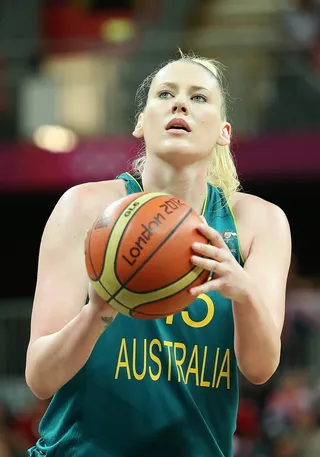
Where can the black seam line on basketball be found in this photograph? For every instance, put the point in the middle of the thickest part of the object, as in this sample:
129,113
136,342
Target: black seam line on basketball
125,231
167,285
158,300
107,244
152,254
153,301
163,298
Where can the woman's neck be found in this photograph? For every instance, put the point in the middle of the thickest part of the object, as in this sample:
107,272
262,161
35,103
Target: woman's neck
189,183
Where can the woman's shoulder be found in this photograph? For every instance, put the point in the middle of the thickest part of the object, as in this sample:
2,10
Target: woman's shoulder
81,204
254,214
251,206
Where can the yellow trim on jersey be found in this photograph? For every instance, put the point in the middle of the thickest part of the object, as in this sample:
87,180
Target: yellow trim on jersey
205,204
132,177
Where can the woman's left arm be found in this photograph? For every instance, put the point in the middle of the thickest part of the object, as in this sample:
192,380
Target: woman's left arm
257,290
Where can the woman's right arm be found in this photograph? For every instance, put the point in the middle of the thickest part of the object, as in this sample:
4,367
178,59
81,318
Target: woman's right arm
63,329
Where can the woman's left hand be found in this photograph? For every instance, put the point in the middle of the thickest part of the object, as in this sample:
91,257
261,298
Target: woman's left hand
228,276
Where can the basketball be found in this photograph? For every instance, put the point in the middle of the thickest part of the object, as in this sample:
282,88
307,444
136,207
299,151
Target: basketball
138,255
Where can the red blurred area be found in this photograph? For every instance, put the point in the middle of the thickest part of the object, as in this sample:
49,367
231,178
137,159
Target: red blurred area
72,21
26,167
69,27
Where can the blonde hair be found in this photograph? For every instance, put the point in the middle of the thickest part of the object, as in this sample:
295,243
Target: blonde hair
221,172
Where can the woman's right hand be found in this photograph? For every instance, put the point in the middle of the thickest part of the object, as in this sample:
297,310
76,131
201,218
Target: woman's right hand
100,308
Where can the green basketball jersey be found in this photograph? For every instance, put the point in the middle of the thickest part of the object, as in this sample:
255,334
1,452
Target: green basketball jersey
158,388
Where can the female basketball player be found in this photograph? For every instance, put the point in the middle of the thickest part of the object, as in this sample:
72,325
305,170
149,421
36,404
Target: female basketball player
167,387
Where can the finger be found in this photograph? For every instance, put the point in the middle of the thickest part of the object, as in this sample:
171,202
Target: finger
203,220
213,236
208,286
207,264
210,251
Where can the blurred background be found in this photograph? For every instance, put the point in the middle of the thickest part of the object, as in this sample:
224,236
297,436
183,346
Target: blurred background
68,74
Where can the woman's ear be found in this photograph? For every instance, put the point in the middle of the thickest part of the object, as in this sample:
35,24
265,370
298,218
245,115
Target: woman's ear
225,136
138,131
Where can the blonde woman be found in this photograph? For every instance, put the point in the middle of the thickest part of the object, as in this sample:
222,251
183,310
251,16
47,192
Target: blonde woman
167,387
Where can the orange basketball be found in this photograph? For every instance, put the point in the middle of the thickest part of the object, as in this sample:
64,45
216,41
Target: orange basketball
138,255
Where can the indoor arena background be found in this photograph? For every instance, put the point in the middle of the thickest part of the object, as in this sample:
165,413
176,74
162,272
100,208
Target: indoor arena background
68,75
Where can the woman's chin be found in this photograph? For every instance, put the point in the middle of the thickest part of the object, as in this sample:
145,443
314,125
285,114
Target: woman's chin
179,156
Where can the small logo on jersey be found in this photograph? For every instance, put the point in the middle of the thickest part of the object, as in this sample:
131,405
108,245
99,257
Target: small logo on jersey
231,239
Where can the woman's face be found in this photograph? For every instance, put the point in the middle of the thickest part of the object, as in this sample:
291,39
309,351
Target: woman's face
187,95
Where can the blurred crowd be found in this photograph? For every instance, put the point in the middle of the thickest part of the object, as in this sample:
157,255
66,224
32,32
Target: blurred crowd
283,422
302,29
297,70
19,431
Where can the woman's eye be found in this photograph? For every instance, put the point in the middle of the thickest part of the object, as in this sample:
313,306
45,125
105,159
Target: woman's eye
199,98
165,94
